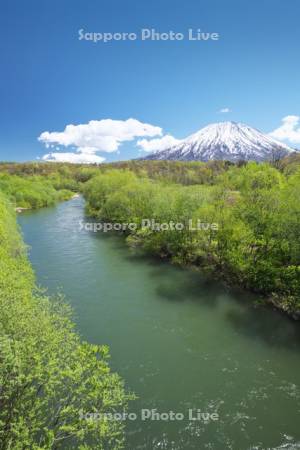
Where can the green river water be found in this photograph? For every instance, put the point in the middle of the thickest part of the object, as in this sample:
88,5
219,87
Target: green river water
180,341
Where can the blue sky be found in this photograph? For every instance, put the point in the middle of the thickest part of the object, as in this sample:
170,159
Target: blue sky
50,79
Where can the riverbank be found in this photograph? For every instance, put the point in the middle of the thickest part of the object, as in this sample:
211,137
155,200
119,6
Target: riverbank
34,192
45,368
20,209
274,301
252,237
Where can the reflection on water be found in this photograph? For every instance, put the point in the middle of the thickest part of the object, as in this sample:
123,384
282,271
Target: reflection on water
180,341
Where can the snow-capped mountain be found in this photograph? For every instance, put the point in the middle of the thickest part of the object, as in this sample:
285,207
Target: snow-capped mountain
224,141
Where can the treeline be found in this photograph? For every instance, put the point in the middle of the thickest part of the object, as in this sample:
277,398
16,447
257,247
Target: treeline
49,379
71,176
256,208
186,173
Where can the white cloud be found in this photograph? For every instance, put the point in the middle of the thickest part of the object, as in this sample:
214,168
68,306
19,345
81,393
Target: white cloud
95,136
289,130
87,150
158,144
76,158
224,110
100,135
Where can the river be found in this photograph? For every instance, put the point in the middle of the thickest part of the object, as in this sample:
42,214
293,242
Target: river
179,340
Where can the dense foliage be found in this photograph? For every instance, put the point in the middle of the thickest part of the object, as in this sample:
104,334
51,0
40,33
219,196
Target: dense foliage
47,375
256,208
34,191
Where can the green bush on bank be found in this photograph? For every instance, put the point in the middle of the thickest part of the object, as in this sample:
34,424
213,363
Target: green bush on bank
256,208
47,375
32,192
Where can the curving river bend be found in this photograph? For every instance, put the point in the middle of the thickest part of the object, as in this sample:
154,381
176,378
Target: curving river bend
179,340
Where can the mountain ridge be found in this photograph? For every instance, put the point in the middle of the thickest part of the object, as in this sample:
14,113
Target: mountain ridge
232,141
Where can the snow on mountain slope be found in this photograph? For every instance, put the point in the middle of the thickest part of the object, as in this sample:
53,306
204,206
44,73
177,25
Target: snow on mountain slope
225,140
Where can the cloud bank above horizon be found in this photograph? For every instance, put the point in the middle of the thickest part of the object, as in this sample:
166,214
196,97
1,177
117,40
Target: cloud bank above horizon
153,145
289,130
104,136
107,135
